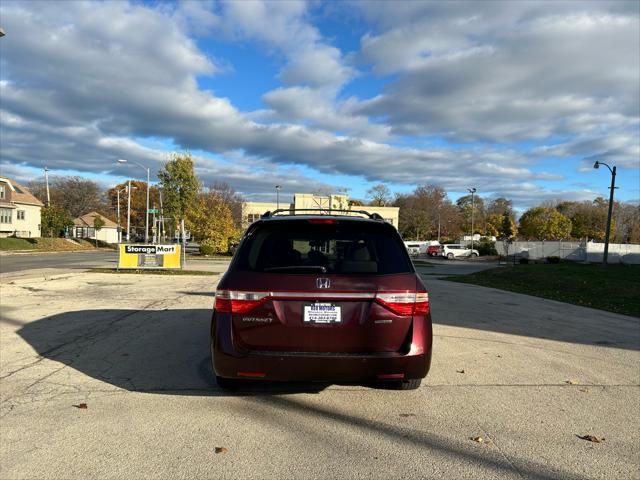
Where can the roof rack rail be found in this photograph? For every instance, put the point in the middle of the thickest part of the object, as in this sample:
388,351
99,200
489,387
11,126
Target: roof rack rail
325,211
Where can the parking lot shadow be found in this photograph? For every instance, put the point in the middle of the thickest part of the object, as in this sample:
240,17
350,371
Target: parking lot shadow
481,308
163,351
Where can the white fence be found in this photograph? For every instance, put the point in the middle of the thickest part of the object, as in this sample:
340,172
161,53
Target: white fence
576,251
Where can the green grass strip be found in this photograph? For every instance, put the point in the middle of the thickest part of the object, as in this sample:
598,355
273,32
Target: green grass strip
615,288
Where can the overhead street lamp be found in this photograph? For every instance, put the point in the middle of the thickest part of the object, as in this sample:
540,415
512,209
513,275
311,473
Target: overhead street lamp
146,214
278,187
472,190
612,188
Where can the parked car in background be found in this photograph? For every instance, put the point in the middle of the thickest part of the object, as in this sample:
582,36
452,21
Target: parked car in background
321,298
417,247
434,250
456,250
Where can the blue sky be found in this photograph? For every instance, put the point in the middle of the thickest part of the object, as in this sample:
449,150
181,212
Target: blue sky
517,99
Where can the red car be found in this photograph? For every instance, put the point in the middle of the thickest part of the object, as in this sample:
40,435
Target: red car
321,298
434,250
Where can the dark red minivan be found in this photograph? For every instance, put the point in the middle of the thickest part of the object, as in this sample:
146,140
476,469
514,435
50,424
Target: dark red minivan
321,298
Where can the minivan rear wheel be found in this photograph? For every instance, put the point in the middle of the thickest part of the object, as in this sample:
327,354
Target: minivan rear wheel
410,384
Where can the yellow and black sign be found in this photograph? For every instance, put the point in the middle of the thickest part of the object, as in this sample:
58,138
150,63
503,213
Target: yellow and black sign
149,256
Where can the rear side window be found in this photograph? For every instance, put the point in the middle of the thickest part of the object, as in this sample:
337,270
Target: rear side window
345,247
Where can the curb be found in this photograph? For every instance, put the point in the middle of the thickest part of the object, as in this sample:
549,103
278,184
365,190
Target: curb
37,278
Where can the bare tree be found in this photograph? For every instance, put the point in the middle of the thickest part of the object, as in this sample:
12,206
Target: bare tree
76,194
379,195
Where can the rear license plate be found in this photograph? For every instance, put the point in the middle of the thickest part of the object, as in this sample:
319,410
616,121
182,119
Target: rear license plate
322,313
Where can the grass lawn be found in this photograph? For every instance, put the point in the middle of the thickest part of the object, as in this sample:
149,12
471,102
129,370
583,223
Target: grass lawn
615,288
15,244
152,271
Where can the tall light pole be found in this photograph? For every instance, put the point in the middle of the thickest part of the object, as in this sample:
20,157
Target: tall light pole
278,187
146,213
472,190
612,188
46,182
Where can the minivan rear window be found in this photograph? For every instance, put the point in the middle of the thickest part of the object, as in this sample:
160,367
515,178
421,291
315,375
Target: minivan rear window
345,247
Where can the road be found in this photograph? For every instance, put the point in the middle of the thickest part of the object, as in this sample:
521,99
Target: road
61,260
528,374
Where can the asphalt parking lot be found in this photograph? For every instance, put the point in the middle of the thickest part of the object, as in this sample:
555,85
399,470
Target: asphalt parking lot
526,375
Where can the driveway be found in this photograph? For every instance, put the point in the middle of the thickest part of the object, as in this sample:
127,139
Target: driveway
528,375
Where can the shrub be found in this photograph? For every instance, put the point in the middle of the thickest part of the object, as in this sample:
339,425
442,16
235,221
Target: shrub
210,246
523,261
486,247
553,259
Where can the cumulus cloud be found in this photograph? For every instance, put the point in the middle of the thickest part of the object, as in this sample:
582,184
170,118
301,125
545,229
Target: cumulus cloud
501,72
78,91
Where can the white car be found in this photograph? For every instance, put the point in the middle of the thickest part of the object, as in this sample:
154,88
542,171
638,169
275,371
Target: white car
452,251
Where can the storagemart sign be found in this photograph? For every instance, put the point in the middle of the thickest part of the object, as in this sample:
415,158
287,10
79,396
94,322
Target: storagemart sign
149,256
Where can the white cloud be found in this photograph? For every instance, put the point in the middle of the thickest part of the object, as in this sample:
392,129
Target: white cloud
76,89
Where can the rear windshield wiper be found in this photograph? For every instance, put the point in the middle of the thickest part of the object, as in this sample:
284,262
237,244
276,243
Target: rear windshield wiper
313,268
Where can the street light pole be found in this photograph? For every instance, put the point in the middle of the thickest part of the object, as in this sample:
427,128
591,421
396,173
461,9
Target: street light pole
608,229
146,214
278,187
473,208
46,182
129,213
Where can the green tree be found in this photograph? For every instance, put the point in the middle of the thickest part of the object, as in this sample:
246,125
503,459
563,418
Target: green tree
180,186
588,219
507,227
98,223
211,223
54,220
499,206
544,223
466,206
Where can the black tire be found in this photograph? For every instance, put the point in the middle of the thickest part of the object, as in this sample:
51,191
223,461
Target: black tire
474,255
411,384
228,383
450,256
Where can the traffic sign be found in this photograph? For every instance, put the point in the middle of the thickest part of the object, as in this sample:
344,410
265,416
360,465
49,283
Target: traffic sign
152,210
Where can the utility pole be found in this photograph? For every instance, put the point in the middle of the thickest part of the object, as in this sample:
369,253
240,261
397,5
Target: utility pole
46,182
278,187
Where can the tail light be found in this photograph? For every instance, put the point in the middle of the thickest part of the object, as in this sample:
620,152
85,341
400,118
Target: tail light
229,301
405,304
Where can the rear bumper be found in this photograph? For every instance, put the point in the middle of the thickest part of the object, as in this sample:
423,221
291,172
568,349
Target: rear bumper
229,362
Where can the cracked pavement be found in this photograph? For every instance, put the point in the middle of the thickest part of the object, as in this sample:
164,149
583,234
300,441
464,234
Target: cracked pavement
135,350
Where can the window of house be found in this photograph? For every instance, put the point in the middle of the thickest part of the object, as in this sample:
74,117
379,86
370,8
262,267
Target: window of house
5,215
252,217
1,192
20,215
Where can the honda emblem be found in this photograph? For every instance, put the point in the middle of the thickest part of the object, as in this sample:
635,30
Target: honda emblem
323,283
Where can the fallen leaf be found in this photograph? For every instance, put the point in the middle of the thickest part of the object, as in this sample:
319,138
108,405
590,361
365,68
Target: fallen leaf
460,371
572,381
221,450
590,438
82,406
584,390
407,414
477,439
499,356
